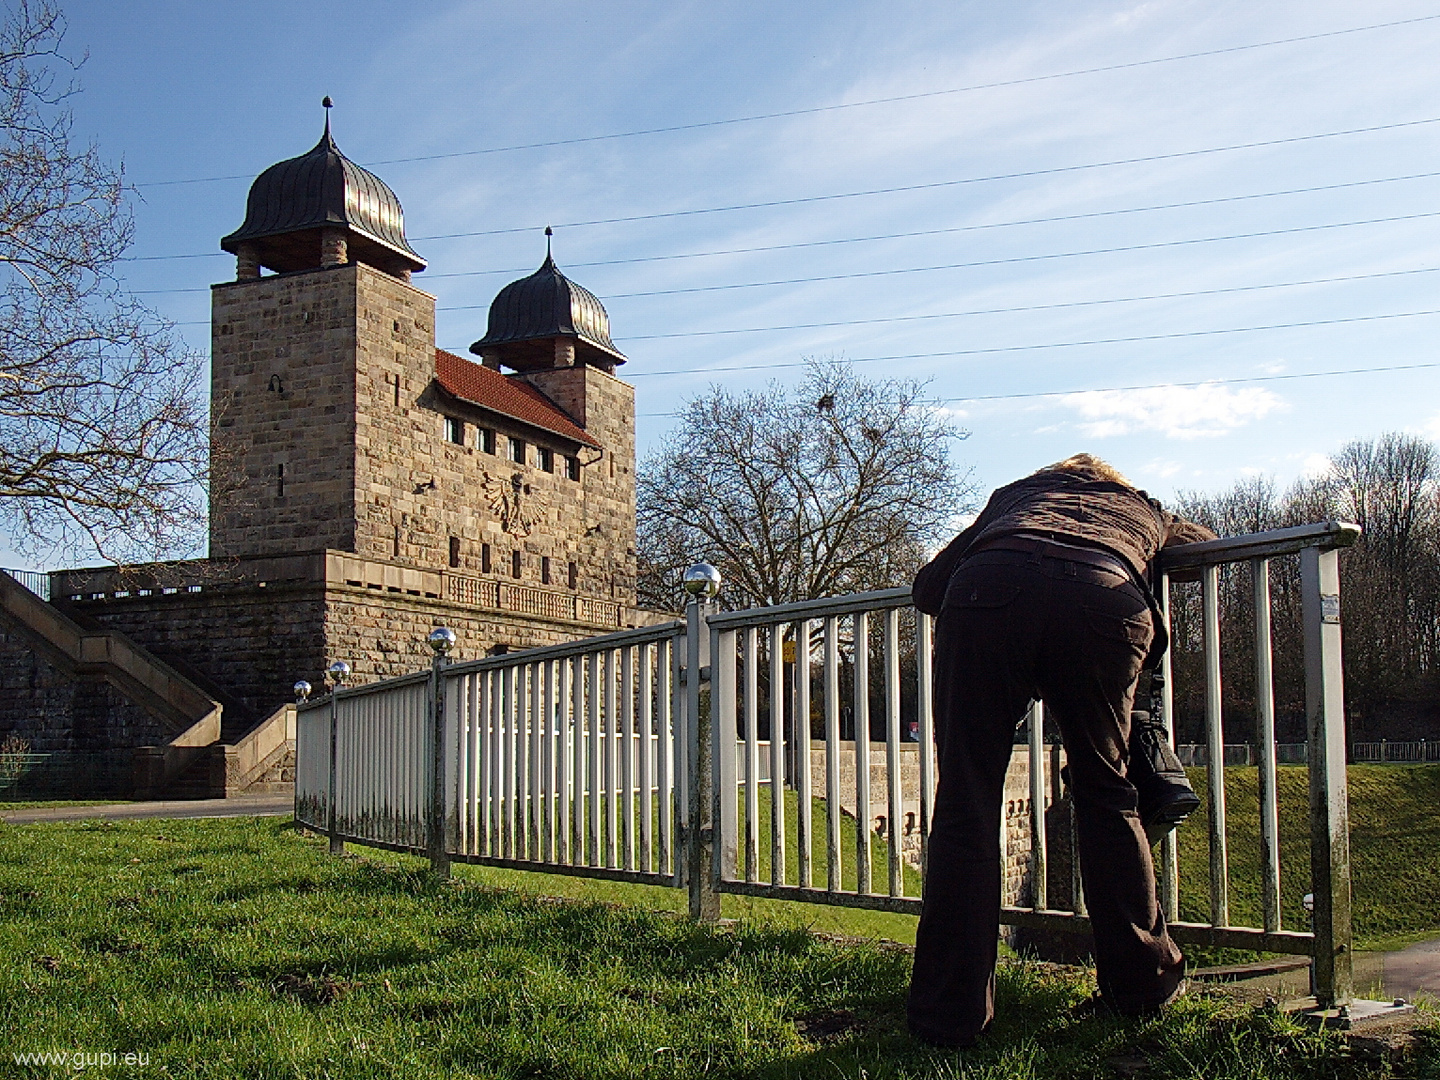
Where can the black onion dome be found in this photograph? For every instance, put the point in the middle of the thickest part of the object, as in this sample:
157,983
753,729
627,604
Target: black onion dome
323,189
544,306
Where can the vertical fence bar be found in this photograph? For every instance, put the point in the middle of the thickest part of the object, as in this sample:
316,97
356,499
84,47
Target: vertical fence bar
752,754
548,761
1169,867
1039,849
611,722
507,760
564,778
924,628
594,833
496,736
699,833
579,774
1265,736
476,770
861,708
803,822
629,740
665,752
832,753
436,744
722,751
777,754
332,798
534,789
892,748
648,748
1215,755
1329,798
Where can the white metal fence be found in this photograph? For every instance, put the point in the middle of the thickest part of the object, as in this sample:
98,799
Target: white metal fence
638,756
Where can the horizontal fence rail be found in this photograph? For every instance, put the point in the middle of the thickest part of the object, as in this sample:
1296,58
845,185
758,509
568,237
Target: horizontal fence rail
787,752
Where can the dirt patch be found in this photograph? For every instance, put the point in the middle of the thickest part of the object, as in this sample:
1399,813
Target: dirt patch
313,990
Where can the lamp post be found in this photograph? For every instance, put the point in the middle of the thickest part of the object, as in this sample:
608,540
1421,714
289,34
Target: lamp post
336,674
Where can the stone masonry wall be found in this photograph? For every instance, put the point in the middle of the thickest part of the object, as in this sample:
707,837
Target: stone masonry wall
54,710
282,398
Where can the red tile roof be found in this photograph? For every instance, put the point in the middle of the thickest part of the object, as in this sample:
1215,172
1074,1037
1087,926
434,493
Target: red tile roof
505,395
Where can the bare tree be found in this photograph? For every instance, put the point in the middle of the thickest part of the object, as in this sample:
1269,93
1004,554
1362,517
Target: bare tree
836,485
102,418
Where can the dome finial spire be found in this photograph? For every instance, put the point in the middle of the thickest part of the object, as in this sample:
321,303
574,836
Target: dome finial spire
327,105
549,232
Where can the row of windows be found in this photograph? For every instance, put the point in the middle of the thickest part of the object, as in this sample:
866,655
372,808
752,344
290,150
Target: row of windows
517,564
516,450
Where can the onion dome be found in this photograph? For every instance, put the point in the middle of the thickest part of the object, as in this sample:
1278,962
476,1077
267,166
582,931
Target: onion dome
531,315
293,203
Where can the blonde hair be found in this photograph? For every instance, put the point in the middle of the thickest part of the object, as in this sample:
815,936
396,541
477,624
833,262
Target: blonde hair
1089,463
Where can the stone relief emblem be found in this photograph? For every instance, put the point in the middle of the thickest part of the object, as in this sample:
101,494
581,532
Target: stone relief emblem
514,503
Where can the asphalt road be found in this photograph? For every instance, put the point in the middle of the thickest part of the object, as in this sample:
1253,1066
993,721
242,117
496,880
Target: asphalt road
238,806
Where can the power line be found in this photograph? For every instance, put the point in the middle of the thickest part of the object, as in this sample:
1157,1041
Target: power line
1166,385
947,266
1004,310
1055,344
1038,307
1202,382
813,110
1189,203
945,183
1006,261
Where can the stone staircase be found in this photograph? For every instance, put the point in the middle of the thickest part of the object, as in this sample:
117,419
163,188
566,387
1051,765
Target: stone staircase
215,746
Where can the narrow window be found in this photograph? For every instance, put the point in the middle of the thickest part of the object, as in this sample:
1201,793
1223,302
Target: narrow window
572,468
485,558
547,458
396,550
397,389
545,569
517,450
574,575
612,468
455,430
280,481
485,440
499,649
515,563
454,551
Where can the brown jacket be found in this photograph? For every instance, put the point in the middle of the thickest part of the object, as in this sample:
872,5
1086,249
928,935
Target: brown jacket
1073,506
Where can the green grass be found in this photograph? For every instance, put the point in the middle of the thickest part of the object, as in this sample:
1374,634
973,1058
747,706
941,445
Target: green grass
237,947
1394,847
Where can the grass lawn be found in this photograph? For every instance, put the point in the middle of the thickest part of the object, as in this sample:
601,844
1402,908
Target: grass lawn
237,947
1394,848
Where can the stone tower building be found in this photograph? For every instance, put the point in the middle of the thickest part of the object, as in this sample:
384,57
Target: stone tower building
369,486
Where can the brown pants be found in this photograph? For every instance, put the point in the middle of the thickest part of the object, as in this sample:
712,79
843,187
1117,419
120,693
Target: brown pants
1019,626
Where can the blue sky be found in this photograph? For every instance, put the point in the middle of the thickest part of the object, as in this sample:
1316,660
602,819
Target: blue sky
185,91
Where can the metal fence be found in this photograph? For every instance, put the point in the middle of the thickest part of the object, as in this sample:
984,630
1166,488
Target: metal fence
37,581
637,756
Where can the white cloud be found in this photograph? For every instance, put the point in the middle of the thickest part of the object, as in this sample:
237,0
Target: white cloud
1314,465
1431,428
1178,412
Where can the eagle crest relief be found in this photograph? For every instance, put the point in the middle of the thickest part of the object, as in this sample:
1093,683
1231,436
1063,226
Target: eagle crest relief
512,501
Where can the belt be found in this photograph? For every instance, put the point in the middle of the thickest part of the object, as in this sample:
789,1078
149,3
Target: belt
1050,549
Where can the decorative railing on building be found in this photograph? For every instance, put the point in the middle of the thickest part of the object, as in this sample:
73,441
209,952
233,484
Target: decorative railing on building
655,755
528,600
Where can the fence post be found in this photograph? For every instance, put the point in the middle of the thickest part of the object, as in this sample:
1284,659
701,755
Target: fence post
336,673
702,582
1329,803
442,640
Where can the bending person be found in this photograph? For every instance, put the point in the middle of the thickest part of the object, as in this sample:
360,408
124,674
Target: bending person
1044,596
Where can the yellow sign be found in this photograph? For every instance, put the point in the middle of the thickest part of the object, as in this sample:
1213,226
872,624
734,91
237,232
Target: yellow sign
789,652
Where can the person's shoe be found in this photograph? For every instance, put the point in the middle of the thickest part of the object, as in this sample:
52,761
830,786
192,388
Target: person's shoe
941,1042
1166,798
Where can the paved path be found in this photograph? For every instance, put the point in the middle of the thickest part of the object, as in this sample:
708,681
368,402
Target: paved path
1414,971
238,806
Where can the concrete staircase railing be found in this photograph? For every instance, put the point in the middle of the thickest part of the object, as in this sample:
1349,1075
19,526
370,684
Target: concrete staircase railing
191,715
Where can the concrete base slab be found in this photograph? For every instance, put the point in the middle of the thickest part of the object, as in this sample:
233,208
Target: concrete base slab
1359,1013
